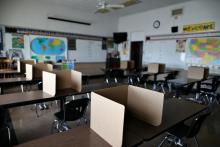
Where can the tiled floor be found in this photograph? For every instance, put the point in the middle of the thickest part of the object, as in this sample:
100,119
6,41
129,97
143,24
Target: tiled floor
28,126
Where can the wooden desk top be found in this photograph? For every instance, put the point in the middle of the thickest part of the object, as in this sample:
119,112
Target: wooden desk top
33,97
175,111
78,137
17,80
3,71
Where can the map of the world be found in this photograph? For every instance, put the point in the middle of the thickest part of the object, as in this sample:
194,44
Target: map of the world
48,46
205,50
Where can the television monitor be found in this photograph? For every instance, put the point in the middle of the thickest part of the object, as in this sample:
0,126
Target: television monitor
120,37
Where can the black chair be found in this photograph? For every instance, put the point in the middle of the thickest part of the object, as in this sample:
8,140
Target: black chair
182,90
178,133
41,106
134,78
208,92
73,110
113,75
5,133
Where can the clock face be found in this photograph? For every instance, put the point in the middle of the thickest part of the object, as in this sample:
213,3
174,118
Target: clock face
156,24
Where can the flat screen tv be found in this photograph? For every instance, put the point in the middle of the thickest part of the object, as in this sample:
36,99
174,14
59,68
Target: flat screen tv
120,37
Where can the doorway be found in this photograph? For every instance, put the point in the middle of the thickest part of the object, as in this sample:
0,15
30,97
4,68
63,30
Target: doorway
137,53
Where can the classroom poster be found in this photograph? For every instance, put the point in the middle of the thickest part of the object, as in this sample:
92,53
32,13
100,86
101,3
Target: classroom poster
46,47
204,51
18,41
180,45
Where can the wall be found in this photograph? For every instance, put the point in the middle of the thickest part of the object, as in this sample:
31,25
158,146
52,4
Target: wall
197,11
33,14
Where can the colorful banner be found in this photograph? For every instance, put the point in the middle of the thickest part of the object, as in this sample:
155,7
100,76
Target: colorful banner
199,27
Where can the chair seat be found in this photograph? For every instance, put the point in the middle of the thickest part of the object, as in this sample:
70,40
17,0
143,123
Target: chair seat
179,130
68,117
206,90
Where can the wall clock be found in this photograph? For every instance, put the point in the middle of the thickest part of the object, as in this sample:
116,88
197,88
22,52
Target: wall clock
156,24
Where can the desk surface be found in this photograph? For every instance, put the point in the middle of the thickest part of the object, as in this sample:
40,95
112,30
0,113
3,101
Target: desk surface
3,71
175,111
32,97
78,137
183,81
17,80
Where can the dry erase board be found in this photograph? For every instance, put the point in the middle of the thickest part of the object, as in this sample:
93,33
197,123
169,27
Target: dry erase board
163,51
88,51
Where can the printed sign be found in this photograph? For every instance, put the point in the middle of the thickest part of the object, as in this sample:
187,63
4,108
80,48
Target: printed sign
199,27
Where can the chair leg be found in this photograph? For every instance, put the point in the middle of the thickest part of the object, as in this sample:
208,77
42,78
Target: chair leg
106,80
9,135
197,143
116,81
36,110
162,87
161,143
22,88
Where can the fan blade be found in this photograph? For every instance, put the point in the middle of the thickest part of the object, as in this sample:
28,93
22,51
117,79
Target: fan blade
102,11
131,2
115,6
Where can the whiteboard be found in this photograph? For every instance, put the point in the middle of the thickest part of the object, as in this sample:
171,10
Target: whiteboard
163,51
88,51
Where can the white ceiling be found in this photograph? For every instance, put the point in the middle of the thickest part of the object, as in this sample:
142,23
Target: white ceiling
89,6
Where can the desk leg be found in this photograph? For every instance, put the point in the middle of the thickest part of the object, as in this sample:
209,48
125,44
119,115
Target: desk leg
62,102
198,86
22,88
2,89
154,84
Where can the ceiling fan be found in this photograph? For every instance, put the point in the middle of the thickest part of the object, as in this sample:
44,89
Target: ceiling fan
104,6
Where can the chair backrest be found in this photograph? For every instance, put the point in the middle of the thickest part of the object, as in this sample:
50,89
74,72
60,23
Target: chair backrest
75,109
196,125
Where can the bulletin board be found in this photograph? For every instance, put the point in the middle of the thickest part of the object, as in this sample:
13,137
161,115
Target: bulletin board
203,51
48,48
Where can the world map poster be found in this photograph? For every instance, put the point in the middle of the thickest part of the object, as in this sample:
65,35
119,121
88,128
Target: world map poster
205,51
45,46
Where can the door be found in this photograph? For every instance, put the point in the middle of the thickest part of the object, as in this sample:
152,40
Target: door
1,39
137,53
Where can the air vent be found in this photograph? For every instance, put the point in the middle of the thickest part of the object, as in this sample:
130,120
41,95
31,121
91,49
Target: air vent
177,12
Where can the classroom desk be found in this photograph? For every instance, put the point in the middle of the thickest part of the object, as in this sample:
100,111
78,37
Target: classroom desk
16,81
180,83
80,137
8,72
135,131
145,74
175,111
38,96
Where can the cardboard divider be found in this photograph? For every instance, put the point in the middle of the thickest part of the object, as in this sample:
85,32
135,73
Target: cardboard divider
68,79
124,64
39,67
49,83
146,105
29,71
156,67
18,66
107,119
143,104
23,63
199,73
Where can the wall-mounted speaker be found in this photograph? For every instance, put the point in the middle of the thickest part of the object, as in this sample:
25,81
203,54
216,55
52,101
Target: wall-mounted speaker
174,29
120,37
